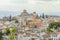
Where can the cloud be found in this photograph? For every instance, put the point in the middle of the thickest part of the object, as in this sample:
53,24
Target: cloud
18,1
47,0
4,2
34,5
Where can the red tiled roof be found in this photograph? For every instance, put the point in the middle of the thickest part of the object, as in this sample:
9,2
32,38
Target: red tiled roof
38,24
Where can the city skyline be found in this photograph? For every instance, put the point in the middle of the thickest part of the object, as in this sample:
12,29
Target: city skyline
16,13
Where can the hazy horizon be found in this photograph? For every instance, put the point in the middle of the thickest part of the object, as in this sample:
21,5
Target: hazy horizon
14,7
15,13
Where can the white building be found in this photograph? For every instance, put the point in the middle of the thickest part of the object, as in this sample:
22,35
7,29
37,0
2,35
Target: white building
55,36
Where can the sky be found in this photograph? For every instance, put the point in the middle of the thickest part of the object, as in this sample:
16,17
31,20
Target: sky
47,6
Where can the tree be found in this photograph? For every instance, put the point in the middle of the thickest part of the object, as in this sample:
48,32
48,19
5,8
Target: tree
13,29
59,38
49,30
54,25
14,18
7,30
10,18
16,21
46,16
43,15
33,39
1,35
11,36
35,26
50,39
10,32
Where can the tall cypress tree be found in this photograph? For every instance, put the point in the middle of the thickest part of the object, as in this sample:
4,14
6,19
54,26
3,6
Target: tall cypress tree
10,18
46,16
43,15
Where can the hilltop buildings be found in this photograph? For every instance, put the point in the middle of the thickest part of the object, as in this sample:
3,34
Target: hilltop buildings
29,26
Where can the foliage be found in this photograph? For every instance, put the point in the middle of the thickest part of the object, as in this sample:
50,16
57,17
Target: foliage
50,39
13,30
54,25
35,26
7,30
59,38
46,16
43,15
11,36
33,39
14,18
16,21
10,18
1,35
49,30
10,32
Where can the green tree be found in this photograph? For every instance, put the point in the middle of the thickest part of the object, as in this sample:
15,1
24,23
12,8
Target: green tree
13,29
59,38
43,15
10,18
10,32
32,38
16,21
46,16
1,35
12,36
50,38
54,25
7,30
49,30
35,26
14,18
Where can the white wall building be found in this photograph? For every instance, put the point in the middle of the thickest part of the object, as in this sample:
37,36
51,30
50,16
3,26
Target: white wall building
55,36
